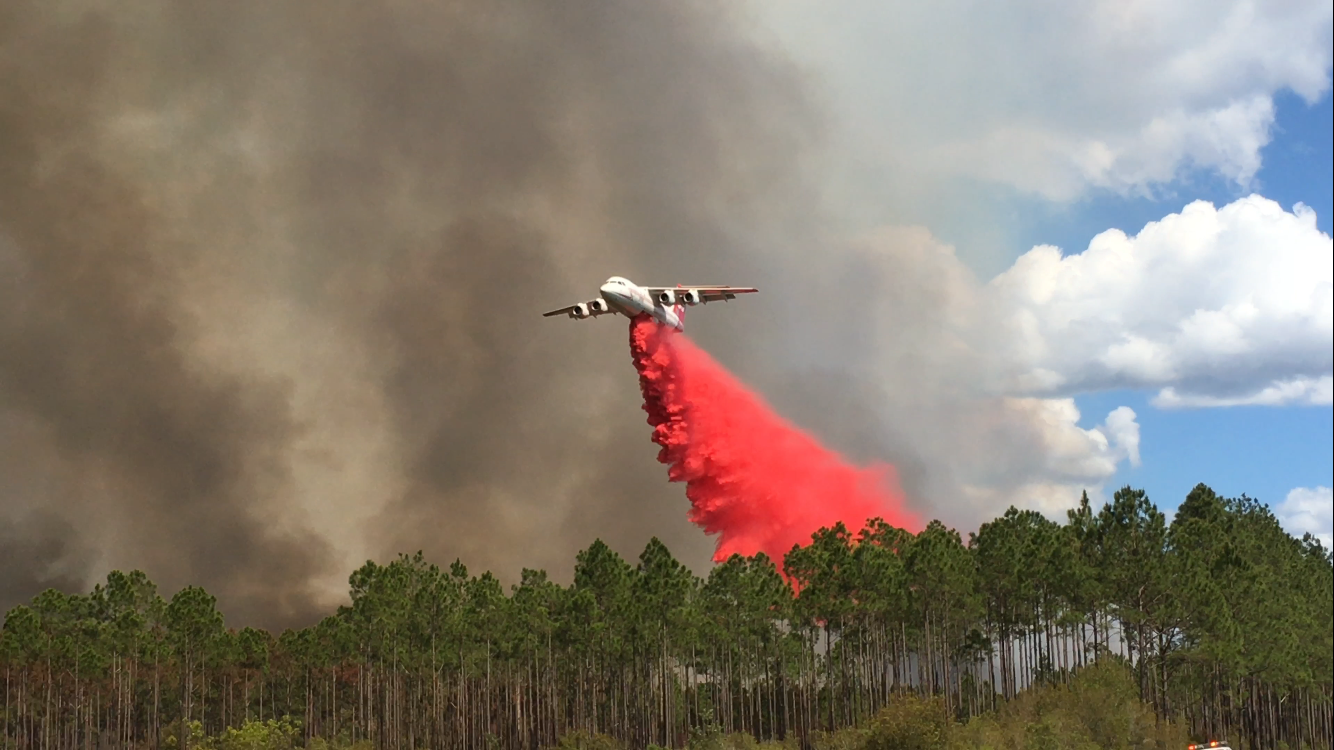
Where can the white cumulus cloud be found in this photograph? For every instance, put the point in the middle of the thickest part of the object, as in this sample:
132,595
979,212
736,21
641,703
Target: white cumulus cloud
911,345
1055,462
944,116
1309,510
1299,390
976,381
1211,307
1056,98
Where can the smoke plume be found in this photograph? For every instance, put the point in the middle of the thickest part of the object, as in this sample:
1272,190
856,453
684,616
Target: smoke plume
271,276
752,478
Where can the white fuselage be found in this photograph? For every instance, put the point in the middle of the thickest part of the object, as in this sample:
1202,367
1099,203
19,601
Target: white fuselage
631,300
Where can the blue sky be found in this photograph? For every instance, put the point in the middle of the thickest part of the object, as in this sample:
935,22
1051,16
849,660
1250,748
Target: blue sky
1262,451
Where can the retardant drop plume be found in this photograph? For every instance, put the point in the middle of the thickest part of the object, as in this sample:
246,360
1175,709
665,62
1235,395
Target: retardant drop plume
756,480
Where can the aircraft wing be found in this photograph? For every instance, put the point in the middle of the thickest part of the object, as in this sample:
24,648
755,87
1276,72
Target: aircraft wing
588,309
707,292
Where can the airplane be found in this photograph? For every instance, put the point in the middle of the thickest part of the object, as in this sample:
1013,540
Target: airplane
665,304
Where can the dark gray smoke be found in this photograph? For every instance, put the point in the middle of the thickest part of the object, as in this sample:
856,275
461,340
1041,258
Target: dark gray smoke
271,276
120,433
35,555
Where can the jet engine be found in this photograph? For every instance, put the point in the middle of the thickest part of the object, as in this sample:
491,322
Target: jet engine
580,311
692,297
667,297
599,305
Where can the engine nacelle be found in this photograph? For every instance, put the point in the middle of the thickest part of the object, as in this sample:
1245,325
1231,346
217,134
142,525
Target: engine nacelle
580,311
692,297
599,305
667,297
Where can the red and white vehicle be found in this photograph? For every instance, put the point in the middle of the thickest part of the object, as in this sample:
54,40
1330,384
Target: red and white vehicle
665,304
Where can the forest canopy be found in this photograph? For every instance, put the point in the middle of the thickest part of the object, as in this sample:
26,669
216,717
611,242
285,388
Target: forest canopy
1222,618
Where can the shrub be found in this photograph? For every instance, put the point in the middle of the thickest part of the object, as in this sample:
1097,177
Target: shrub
587,741
1099,710
910,723
258,735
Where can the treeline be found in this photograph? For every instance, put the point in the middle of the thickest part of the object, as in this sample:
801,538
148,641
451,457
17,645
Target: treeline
1224,618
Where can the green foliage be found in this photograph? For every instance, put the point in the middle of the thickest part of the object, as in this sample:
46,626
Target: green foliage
1098,710
910,722
338,743
587,741
851,738
707,734
284,734
1109,631
171,735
